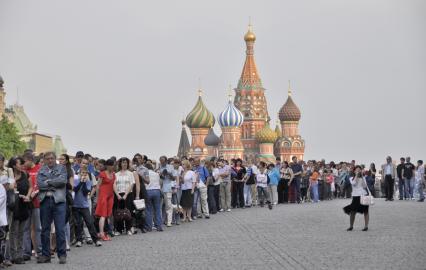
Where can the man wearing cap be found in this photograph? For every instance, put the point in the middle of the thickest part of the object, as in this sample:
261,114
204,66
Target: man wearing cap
52,180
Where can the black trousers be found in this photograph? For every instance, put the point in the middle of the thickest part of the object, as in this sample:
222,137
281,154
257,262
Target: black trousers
217,196
282,190
128,203
237,196
211,199
389,186
81,214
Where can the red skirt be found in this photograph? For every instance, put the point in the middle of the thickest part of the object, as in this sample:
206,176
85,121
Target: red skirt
104,206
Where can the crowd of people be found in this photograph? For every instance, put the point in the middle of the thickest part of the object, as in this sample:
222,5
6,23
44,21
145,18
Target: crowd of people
49,204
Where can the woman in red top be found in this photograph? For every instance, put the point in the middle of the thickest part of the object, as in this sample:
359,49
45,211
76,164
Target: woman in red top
105,197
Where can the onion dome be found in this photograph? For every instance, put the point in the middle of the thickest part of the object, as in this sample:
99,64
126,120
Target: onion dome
266,135
200,116
250,36
231,116
289,111
211,139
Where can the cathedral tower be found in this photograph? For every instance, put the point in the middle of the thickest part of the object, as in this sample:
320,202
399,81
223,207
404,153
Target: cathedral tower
291,143
266,138
250,100
184,145
230,120
199,121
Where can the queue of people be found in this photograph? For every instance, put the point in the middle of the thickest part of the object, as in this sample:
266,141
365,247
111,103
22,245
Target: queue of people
49,204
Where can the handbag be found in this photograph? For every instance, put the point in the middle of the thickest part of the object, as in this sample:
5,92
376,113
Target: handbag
139,204
367,199
122,215
11,199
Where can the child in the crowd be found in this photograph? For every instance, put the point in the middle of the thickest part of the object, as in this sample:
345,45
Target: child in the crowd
81,206
262,180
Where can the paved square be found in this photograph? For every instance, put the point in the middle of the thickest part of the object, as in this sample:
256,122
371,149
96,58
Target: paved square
308,236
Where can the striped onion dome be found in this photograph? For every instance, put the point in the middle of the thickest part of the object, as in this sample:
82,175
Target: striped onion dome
231,116
200,116
289,111
266,135
211,139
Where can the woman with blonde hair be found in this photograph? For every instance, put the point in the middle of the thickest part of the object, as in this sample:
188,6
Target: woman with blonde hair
188,185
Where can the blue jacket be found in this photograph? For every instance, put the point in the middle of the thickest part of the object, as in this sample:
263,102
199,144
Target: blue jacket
274,176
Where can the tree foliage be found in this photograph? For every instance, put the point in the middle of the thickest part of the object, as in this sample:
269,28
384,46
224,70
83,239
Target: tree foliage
10,141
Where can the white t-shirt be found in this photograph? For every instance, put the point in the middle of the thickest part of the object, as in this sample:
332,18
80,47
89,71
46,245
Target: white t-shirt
262,179
154,181
188,179
216,176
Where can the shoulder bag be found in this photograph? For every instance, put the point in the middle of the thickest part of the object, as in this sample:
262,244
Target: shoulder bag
139,204
367,199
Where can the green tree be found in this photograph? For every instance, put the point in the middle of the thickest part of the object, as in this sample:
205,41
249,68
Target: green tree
10,141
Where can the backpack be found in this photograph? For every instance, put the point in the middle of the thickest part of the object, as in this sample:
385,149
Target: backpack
251,180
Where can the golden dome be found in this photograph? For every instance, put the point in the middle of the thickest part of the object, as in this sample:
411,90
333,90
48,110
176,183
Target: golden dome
249,36
266,135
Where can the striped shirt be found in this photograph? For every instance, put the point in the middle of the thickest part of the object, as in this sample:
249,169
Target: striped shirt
124,181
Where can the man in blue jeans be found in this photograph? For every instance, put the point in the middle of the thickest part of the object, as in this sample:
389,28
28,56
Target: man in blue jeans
52,180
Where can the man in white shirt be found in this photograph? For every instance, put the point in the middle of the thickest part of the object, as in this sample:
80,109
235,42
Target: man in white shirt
389,173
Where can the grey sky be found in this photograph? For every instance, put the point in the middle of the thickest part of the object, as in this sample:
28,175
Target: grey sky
116,77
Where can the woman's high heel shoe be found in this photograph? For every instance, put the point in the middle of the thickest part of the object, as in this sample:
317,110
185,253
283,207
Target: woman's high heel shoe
350,229
365,229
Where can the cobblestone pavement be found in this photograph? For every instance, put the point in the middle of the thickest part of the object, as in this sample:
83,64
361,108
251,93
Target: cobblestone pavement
307,236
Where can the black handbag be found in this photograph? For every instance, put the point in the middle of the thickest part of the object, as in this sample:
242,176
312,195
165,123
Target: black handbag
122,215
11,199
250,180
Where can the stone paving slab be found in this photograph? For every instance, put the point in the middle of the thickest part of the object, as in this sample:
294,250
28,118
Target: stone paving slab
306,236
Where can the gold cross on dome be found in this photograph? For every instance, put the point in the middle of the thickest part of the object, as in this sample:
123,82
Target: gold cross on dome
200,92
230,93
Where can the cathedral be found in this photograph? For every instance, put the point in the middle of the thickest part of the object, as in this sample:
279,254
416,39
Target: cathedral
245,123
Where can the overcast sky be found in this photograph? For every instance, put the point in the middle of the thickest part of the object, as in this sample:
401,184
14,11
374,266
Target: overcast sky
116,77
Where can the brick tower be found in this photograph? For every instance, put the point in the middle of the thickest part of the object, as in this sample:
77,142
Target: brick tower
250,100
290,142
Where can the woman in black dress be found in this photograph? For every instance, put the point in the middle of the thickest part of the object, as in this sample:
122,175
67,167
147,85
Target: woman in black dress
358,189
